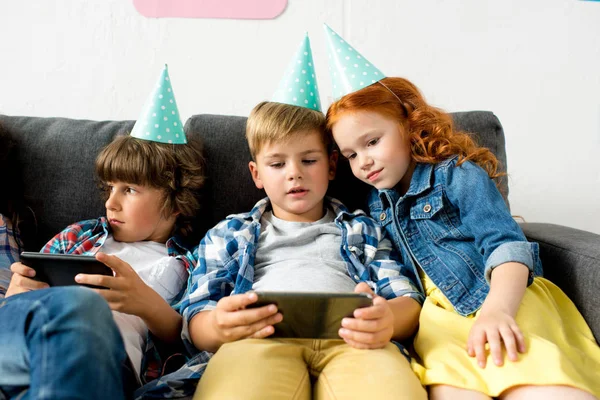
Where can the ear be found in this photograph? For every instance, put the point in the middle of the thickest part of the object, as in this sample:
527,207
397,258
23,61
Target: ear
333,159
254,172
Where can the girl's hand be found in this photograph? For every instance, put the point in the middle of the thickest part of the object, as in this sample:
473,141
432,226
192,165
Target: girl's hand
21,280
232,321
126,291
495,327
372,327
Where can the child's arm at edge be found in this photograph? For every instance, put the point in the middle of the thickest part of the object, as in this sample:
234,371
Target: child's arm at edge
496,322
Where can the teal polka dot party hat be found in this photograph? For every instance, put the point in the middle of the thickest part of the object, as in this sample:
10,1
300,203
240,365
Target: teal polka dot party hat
349,70
298,86
160,121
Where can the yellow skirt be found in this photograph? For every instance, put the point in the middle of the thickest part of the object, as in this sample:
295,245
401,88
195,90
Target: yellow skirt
561,349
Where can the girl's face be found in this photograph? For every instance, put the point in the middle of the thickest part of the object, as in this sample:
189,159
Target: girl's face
377,147
135,213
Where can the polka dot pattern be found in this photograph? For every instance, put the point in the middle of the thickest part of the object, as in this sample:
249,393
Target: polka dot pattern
160,121
350,71
298,86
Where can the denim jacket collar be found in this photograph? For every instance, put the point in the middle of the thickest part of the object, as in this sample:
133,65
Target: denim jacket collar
420,182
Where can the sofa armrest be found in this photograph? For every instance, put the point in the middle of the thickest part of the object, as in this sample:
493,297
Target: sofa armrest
571,259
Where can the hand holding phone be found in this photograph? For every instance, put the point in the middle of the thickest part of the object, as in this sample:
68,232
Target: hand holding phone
312,315
60,269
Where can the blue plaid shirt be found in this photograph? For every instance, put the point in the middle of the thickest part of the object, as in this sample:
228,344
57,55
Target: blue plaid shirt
10,248
226,260
87,237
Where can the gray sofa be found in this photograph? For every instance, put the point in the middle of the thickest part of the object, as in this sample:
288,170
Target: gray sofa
55,158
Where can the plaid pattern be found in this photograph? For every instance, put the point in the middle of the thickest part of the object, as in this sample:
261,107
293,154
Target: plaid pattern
226,260
10,248
87,237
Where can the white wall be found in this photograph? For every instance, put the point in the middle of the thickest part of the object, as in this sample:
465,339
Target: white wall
535,63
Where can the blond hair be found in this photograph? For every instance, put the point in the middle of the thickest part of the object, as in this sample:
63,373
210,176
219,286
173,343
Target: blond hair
271,122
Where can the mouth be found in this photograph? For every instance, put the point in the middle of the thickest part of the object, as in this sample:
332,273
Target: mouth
374,175
114,221
297,190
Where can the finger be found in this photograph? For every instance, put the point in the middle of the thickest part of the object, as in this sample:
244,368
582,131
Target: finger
245,317
257,328
361,345
237,301
109,282
263,333
495,342
362,325
362,287
520,338
115,263
510,344
111,297
376,311
479,341
369,338
28,284
22,269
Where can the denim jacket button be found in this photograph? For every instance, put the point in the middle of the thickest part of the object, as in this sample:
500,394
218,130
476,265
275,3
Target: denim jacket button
382,216
356,277
427,208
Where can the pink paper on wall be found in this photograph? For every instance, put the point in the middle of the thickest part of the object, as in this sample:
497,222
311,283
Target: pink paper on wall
234,9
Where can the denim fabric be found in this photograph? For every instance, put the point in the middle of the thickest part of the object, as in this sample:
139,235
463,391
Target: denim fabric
60,343
454,224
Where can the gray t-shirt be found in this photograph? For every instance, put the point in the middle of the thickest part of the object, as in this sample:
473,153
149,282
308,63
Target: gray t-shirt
300,256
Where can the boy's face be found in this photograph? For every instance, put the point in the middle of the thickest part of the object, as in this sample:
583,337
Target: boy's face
377,148
135,215
295,174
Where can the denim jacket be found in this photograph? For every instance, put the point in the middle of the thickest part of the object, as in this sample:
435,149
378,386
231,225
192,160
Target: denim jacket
454,225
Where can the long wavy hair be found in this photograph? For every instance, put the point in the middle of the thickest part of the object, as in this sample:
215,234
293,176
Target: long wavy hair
431,131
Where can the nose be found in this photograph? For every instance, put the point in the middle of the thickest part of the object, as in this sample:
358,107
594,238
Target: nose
294,171
364,161
112,201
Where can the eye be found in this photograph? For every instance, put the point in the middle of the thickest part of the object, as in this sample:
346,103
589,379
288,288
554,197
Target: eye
130,190
309,161
277,165
351,156
373,142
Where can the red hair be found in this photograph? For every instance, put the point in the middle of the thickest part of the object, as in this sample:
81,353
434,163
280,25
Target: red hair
430,130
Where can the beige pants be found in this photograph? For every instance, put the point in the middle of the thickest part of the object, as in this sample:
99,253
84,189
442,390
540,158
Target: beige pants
303,368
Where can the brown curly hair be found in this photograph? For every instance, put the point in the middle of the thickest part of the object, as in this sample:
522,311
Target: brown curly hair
431,130
176,169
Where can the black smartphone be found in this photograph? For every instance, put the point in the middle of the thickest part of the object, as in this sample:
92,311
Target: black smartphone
312,315
60,269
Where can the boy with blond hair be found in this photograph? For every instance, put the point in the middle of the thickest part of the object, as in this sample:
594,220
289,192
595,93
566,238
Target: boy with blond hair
297,239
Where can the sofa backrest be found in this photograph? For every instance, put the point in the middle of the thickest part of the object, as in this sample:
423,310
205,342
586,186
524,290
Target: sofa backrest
230,188
55,160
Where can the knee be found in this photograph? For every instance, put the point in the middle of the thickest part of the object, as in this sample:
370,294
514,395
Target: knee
77,302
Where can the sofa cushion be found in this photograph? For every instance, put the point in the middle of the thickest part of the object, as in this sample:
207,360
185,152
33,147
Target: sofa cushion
230,188
56,160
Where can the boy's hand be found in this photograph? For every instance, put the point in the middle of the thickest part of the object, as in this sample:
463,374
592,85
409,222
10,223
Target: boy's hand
495,327
232,321
21,280
372,327
126,291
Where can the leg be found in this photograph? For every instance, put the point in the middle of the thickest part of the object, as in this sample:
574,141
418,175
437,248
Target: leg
546,392
64,344
441,392
349,373
256,369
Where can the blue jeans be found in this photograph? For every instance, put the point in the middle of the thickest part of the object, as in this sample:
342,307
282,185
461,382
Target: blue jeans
60,343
